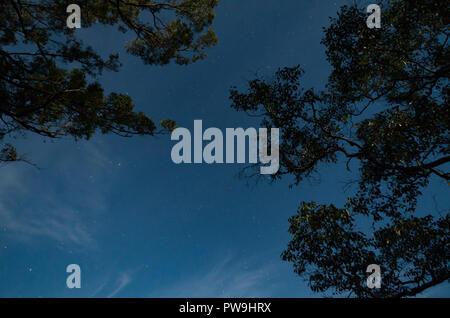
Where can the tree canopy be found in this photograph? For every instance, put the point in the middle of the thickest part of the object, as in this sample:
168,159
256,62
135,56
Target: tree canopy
384,112
48,76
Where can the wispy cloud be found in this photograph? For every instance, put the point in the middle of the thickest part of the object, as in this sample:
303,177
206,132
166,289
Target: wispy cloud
61,224
227,278
123,281
113,283
65,211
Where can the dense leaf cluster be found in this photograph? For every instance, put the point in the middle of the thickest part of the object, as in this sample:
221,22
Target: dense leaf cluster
386,108
48,76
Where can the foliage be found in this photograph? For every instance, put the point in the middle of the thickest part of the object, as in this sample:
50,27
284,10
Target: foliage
385,106
48,76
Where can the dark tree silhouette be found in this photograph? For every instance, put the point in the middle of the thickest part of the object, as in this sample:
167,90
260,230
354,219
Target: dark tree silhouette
385,110
48,76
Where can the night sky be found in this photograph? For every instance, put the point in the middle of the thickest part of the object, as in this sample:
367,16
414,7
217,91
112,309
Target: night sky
139,225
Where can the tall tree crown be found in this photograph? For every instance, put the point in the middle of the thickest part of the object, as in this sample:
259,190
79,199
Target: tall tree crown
48,76
384,111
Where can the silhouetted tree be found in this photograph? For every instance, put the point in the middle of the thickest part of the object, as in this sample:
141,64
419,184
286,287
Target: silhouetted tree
385,110
48,76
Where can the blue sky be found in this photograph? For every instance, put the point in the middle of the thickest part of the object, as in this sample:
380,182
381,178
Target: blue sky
139,225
